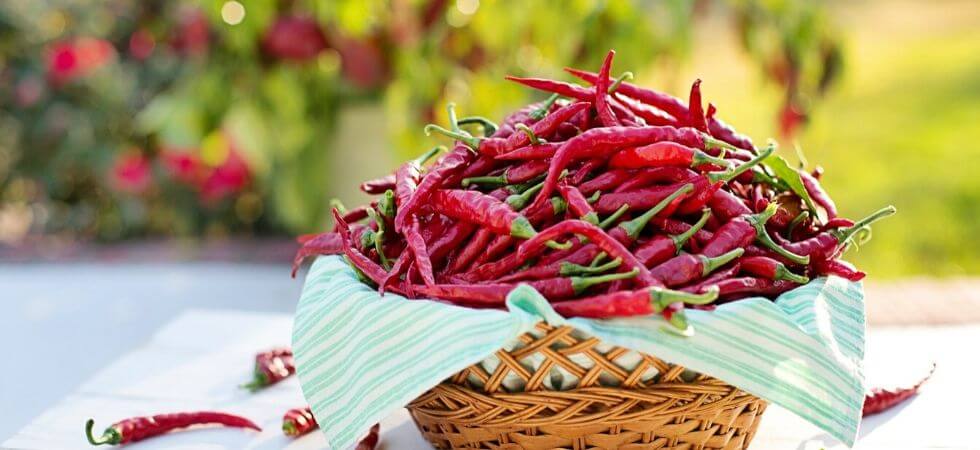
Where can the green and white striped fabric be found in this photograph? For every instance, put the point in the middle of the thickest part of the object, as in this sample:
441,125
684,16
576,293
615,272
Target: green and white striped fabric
361,356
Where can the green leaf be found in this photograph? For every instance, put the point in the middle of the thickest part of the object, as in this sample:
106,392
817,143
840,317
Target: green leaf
791,177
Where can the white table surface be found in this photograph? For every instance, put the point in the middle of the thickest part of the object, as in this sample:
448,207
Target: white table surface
197,361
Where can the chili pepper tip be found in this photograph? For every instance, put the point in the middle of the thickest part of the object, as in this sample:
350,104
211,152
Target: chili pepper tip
109,437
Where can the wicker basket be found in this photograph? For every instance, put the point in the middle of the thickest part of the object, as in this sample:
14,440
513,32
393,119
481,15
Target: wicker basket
675,409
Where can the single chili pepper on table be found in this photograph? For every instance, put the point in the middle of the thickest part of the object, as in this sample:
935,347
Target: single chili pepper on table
298,421
139,428
881,400
378,185
661,248
660,154
271,367
769,268
686,268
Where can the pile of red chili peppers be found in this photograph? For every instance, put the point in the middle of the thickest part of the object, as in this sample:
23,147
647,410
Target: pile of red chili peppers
609,198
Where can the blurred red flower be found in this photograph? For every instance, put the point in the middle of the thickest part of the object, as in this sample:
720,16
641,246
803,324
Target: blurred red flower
230,177
131,172
184,166
193,35
70,59
141,44
363,62
294,38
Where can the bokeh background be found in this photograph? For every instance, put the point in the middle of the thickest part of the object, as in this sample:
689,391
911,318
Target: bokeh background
126,121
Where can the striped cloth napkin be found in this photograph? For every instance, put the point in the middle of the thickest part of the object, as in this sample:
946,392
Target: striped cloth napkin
361,356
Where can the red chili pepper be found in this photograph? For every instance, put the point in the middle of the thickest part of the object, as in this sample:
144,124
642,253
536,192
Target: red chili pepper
606,181
828,244
571,265
495,294
356,214
673,106
271,367
450,240
838,222
370,441
695,111
661,248
738,287
481,166
726,206
839,268
881,400
662,154
606,116
139,428
650,115
512,175
476,245
743,230
577,92
578,204
541,151
771,269
707,184
496,146
599,142
357,259
685,268
646,177
298,421
481,209
585,170
637,200
714,278
673,226
378,185
322,244
631,303
628,231
420,252
454,161
818,194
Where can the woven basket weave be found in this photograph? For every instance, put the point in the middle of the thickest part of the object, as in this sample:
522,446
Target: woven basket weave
675,409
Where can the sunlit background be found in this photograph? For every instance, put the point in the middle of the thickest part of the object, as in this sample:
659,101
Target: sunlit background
123,121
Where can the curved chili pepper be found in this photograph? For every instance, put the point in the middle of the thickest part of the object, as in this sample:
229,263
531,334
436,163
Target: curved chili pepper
743,230
578,204
354,215
606,181
880,400
661,248
673,106
695,111
818,194
378,185
481,209
685,268
644,198
298,421
357,259
271,367
495,294
606,116
627,232
726,206
577,92
139,428
707,184
714,278
838,222
839,268
420,252
769,268
650,115
321,244
585,170
542,151
662,154
828,243
631,303
599,142
449,241
737,287
455,160
512,175
646,177
569,266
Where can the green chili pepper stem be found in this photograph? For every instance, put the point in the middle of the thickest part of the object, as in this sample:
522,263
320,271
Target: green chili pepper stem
634,227
429,154
845,234
489,127
580,284
734,172
289,428
709,264
661,298
335,203
521,228
558,245
453,121
594,198
679,323
701,158
367,238
535,140
558,206
110,436
609,221
569,269
783,273
387,204
598,259
800,218
758,221
542,110
619,81
470,141
591,217
259,381
500,180
379,237
681,239
517,202
760,176
710,142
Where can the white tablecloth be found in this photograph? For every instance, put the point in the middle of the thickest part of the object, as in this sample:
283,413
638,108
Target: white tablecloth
198,360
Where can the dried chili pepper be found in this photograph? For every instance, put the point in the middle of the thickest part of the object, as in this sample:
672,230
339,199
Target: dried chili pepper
606,116
271,367
139,428
829,243
454,161
743,230
481,209
881,400
695,111
322,244
298,421
512,175
660,154
818,194
378,185
578,204
686,268
661,248
769,268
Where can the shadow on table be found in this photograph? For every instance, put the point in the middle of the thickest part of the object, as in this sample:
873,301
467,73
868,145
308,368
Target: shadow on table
868,426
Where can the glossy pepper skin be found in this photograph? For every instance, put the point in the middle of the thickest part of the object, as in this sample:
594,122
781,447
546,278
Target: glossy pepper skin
139,428
298,421
640,302
686,268
881,400
454,161
663,154
271,367
481,209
